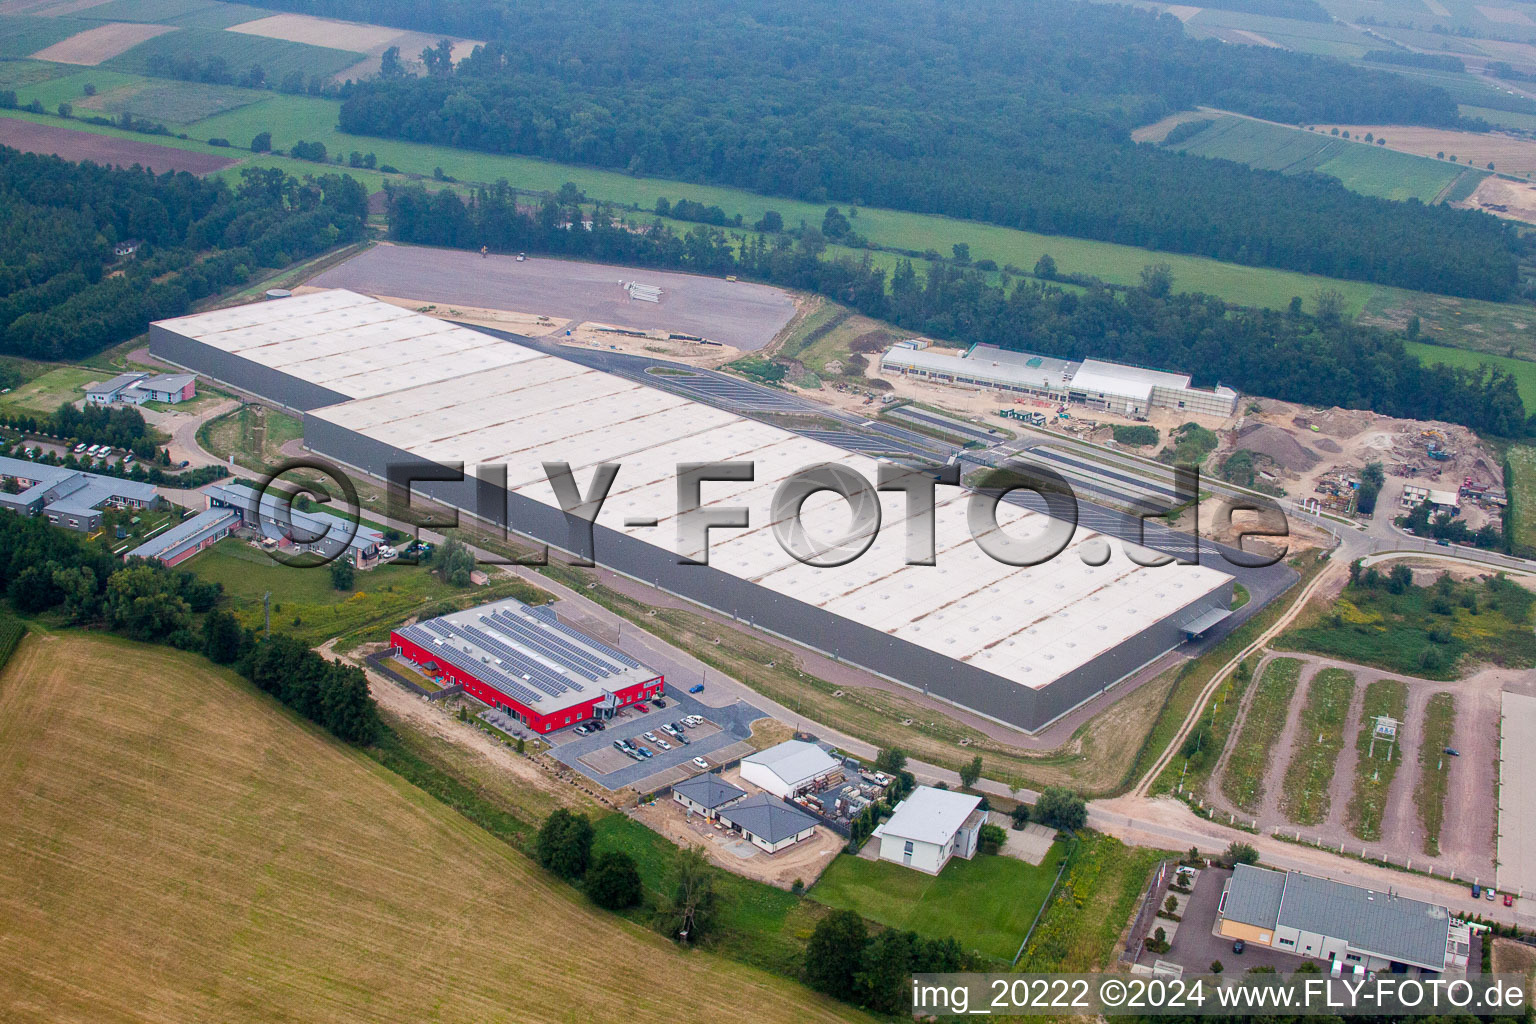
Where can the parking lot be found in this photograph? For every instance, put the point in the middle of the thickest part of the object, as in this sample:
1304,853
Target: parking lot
594,756
1195,944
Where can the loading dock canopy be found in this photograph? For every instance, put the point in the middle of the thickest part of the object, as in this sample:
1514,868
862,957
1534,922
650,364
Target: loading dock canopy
1206,622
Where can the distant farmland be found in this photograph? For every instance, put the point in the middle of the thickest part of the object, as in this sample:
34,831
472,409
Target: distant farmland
1370,170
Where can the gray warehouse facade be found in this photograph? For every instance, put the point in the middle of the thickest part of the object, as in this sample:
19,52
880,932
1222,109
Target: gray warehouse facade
1022,646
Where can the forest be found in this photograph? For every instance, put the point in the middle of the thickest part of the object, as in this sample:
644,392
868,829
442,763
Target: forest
1318,360
1011,114
64,293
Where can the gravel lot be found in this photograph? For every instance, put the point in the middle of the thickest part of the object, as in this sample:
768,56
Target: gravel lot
732,312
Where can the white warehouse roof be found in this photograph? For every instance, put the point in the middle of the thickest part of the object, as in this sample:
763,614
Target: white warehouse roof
450,394
794,761
930,815
1125,381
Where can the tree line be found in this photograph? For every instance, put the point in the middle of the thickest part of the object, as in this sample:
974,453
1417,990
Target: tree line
1017,115
44,568
64,293
1315,359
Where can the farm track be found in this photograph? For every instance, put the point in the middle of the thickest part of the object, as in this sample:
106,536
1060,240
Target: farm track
1342,787
1286,747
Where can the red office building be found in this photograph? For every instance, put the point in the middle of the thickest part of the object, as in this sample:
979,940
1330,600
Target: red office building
524,661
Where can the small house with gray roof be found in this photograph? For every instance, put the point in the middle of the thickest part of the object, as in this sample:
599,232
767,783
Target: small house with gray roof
768,822
706,794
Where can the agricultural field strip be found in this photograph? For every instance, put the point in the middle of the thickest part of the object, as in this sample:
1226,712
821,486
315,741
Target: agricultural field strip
1243,780
1320,739
1434,767
1374,773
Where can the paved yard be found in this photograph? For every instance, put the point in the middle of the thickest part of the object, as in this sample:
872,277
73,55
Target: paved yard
1195,945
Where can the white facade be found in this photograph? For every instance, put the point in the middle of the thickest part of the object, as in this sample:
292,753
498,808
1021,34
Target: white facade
929,827
788,769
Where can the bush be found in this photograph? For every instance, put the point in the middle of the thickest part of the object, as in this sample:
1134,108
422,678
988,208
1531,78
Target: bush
1239,853
1061,808
564,844
613,881
992,837
1139,436
216,141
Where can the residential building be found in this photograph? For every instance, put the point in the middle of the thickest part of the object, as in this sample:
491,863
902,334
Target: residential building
706,794
929,827
768,822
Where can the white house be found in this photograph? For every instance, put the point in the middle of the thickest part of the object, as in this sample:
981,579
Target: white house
706,794
768,823
789,769
929,827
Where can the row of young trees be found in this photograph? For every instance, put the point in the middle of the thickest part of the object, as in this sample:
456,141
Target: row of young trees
45,568
63,291
1011,114
1315,359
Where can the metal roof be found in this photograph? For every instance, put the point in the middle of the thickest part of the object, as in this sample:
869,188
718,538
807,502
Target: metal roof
1379,923
708,790
447,394
168,382
315,526
189,531
767,817
549,665
988,363
930,815
794,761
116,384
1253,896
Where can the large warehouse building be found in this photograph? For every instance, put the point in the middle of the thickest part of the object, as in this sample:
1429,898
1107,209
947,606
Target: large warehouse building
1095,383
528,663
379,386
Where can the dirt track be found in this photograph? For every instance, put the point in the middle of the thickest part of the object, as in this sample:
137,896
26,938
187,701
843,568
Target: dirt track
70,144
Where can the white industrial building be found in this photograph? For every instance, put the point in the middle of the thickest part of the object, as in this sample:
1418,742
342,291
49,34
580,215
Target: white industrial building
931,826
1112,387
789,769
380,385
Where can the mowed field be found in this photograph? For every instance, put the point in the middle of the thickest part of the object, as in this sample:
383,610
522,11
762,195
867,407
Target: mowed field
1523,370
177,847
1361,167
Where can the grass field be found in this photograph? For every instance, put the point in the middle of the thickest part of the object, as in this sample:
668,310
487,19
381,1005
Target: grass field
181,848
47,392
1523,370
1420,631
254,435
1098,894
986,903
759,924
306,605
24,34
277,57
174,103
1434,768
1522,495
1373,775
1243,779
1320,739
1372,170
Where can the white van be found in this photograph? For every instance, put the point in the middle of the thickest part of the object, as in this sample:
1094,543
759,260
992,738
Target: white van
79,447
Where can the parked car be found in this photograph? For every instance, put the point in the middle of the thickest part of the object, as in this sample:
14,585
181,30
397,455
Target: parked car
1490,894
701,764
1239,946
693,721
664,745
1477,891
644,710
656,700
597,723
1509,900
1453,751
127,458
582,730
650,736
621,746
696,688
670,729
646,752
79,447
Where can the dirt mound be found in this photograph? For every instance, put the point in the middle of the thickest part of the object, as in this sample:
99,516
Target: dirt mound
1323,444
1285,450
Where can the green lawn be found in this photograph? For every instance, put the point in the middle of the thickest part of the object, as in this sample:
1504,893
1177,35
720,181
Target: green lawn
306,605
1524,370
173,103
1098,894
1422,632
23,34
758,923
1243,779
1373,775
1434,768
55,387
1522,496
986,903
1320,739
